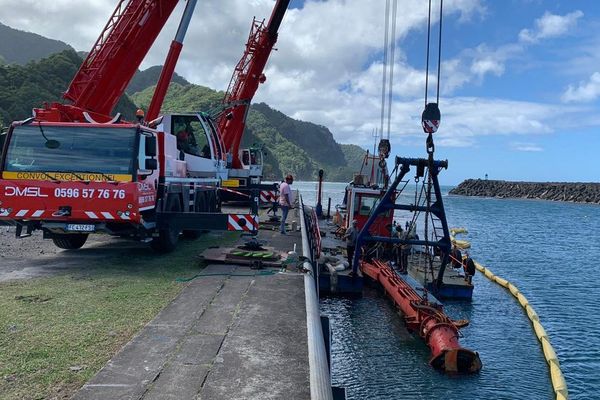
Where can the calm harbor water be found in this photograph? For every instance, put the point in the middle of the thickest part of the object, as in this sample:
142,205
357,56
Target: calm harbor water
550,250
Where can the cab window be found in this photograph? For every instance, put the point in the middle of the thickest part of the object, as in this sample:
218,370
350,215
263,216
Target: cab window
191,136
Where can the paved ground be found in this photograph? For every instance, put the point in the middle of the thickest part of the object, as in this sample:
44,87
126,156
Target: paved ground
35,257
224,337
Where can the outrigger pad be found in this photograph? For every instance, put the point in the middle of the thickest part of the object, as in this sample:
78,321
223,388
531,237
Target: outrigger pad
253,245
268,257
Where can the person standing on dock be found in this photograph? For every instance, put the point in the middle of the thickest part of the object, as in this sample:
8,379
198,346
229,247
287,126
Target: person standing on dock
285,200
351,235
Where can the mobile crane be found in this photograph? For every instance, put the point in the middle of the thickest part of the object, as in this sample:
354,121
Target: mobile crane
246,165
73,169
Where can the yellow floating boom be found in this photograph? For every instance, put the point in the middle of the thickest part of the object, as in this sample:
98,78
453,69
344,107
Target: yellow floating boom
558,381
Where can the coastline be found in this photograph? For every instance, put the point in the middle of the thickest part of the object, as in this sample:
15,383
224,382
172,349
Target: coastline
575,192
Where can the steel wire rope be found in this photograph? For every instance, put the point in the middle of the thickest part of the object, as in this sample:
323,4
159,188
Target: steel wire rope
391,62
427,56
429,50
440,52
385,61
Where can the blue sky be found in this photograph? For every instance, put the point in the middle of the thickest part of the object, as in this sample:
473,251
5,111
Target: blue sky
536,51
520,78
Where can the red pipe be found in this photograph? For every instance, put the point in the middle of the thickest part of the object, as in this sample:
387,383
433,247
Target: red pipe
434,327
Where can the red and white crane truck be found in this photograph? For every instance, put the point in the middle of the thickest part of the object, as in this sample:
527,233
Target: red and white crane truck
73,169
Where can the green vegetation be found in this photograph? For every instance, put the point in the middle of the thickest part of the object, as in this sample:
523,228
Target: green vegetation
148,77
297,147
291,146
57,332
20,47
29,86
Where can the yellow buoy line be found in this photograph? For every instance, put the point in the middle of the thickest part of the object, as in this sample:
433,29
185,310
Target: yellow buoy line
558,381
461,244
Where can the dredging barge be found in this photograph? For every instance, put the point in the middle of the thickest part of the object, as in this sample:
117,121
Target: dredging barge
411,271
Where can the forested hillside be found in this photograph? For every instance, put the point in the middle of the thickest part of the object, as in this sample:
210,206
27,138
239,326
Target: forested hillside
20,47
25,87
148,77
27,80
292,146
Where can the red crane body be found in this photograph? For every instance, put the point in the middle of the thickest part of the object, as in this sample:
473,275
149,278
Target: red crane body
103,76
248,74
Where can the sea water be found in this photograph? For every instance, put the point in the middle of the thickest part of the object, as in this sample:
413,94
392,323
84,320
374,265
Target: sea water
549,250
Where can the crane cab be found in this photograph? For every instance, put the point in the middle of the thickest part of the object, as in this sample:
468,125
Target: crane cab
194,141
252,162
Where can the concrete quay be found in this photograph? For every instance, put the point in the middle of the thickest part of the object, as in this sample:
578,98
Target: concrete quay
232,333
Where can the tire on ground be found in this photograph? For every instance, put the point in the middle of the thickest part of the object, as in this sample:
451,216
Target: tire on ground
200,205
70,241
167,238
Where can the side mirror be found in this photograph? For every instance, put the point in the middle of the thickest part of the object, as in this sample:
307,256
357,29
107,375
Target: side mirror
150,146
151,164
2,140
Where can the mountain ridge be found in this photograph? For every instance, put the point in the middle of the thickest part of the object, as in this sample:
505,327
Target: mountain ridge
20,47
293,146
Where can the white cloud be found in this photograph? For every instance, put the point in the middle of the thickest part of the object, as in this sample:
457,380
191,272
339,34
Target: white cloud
472,65
549,26
585,92
526,147
327,68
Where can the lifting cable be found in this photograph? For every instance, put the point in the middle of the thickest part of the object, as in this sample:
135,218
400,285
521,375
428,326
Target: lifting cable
430,119
391,61
389,52
389,49
385,61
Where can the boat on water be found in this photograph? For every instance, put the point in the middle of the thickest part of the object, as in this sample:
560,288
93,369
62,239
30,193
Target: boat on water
413,266
420,222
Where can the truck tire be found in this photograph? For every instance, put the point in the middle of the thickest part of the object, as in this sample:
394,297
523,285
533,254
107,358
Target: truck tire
212,202
70,241
167,239
199,206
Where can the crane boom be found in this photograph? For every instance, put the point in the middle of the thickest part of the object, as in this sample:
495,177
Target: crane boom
118,52
246,77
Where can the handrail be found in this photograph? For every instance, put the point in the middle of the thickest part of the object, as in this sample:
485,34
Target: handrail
320,380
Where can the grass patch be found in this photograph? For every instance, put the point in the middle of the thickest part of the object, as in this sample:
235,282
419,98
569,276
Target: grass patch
57,332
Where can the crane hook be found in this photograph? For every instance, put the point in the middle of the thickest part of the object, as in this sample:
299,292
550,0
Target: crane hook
430,119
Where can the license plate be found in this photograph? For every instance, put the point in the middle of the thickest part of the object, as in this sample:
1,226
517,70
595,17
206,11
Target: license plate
81,227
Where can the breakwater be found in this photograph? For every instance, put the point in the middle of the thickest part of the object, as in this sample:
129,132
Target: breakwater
555,191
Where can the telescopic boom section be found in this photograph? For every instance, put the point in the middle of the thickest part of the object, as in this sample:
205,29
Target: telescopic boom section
246,77
118,52
167,71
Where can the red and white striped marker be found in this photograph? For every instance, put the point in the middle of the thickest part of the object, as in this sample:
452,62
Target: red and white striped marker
430,125
242,222
268,196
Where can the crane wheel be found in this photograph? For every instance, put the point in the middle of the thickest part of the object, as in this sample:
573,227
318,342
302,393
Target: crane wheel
167,239
70,241
200,205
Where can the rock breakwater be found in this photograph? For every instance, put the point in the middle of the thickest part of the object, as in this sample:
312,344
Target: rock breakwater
555,191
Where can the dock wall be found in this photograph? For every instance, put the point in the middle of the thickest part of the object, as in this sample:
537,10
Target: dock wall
320,379
555,191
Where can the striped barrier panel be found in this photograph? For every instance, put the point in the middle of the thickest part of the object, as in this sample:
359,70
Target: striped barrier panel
268,196
25,213
242,222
